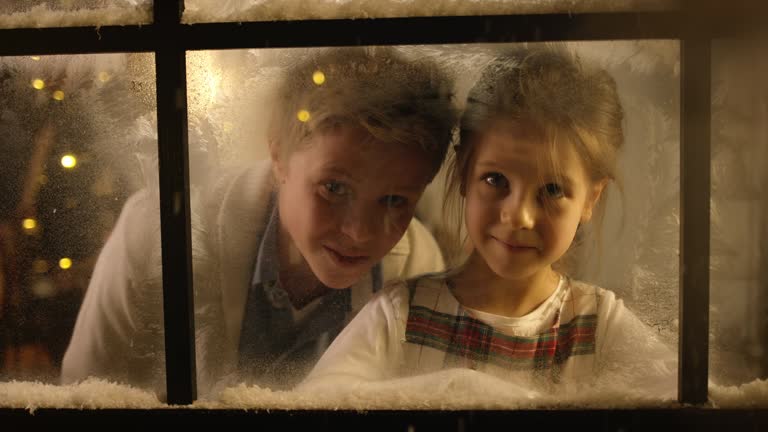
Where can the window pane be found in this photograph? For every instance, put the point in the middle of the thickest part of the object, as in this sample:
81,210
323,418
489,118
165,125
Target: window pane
231,97
198,11
78,141
739,293
74,13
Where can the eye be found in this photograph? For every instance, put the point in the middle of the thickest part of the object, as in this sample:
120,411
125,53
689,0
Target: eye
395,201
552,191
336,188
495,179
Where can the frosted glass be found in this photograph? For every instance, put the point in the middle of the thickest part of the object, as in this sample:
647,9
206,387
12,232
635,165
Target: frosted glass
75,145
230,99
739,293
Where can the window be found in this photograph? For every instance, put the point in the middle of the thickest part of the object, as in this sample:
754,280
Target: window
661,57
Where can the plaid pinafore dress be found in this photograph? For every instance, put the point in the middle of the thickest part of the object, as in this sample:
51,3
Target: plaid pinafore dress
441,334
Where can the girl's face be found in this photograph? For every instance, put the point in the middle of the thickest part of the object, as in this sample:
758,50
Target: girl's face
521,217
346,200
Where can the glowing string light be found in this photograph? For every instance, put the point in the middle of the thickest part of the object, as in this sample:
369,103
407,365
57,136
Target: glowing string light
318,77
58,95
65,263
303,115
38,84
29,224
68,161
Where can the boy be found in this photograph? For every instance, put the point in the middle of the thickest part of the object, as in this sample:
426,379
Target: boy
287,250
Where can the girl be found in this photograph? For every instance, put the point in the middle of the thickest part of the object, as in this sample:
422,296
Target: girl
538,145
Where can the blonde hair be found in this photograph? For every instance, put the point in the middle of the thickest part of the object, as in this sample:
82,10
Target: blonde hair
550,90
395,100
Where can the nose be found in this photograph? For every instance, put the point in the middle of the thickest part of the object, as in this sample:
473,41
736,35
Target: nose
360,224
519,211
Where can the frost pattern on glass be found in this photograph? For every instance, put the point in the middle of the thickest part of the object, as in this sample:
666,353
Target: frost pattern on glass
197,11
739,293
74,13
638,253
72,152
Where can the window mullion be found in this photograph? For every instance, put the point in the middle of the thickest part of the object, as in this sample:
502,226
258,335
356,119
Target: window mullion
173,166
695,191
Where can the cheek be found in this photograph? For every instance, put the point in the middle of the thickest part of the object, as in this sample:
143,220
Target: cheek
476,213
562,231
304,213
320,217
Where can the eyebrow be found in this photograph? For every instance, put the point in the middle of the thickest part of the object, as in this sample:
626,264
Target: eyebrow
326,170
492,164
563,179
331,170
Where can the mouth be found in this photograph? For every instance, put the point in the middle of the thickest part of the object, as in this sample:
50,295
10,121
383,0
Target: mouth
345,259
516,246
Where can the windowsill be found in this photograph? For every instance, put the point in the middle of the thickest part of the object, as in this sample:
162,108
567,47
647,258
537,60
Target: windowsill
99,394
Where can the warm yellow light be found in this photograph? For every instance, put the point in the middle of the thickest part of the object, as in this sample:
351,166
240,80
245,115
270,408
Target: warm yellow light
318,77
68,161
302,115
104,76
58,95
65,263
38,84
29,224
40,266
35,58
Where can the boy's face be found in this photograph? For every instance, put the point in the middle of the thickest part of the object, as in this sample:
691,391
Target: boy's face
520,215
346,199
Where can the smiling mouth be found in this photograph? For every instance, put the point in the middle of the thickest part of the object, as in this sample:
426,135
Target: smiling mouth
346,259
516,246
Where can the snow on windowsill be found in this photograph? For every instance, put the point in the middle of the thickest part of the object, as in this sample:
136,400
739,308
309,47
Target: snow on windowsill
451,394
201,11
42,16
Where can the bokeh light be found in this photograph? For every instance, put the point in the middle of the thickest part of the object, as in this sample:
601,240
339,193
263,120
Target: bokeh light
318,77
65,263
68,161
302,115
38,84
29,224
58,95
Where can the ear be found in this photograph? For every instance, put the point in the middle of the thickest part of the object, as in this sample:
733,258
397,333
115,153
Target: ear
593,197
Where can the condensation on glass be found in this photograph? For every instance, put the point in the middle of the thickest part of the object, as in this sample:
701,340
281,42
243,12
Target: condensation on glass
230,94
200,11
738,272
78,139
74,13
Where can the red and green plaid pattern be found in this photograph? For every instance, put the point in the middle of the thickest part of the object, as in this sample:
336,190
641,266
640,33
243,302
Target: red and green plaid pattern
469,342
